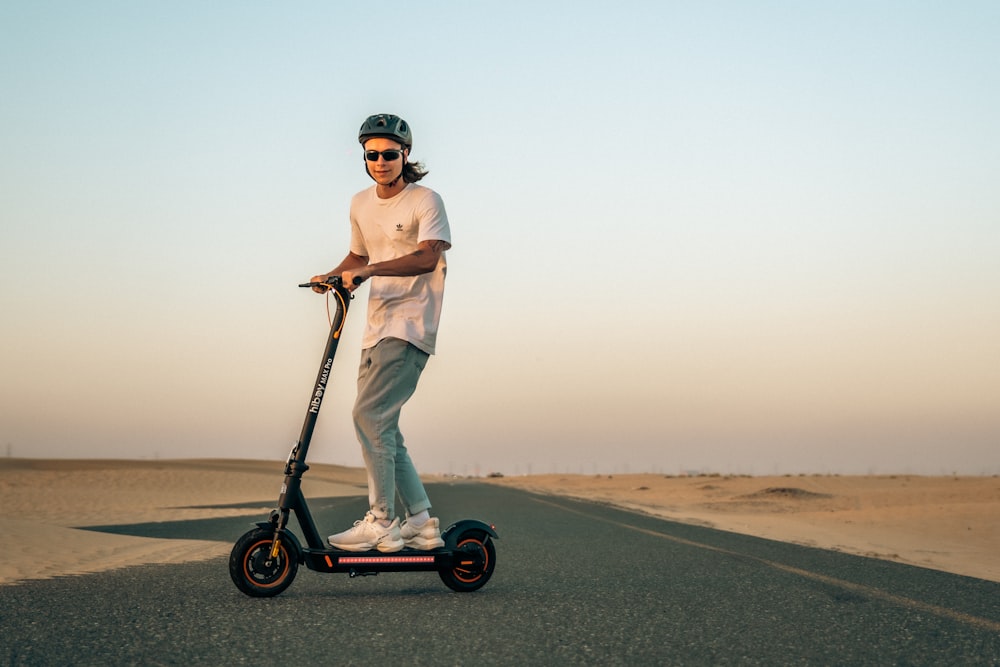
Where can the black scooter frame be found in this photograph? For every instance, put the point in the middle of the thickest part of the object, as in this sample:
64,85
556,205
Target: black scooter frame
465,563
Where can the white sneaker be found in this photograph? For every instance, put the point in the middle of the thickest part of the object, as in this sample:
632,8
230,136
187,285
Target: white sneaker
368,534
426,536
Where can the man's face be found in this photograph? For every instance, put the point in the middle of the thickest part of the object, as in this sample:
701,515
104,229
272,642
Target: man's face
384,171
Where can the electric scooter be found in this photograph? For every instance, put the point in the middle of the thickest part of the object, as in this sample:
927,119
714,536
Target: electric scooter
264,561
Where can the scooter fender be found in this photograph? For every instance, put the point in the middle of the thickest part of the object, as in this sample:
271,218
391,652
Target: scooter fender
459,528
288,537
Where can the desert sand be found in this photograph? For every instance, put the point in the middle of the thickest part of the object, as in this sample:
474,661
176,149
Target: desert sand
47,502
945,523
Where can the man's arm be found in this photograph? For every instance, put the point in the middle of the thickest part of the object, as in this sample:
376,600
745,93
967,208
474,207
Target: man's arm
422,260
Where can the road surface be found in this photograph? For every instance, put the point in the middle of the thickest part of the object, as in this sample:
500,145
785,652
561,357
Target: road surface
576,583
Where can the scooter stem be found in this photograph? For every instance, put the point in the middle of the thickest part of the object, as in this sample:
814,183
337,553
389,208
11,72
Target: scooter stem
343,299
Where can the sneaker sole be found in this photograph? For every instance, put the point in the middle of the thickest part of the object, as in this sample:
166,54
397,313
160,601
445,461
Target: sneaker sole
390,547
384,547
424,544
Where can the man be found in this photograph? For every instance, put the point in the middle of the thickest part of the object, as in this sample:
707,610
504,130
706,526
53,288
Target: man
399,235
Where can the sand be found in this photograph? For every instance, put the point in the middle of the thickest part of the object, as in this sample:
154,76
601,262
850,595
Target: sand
945,523
47,502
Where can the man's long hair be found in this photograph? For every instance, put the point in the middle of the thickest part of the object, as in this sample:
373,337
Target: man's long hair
414,171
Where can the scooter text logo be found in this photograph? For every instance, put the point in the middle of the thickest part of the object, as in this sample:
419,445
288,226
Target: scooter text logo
320,387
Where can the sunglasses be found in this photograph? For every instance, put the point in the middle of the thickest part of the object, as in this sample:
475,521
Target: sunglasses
390,155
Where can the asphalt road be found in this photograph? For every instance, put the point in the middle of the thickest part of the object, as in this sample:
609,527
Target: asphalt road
575,583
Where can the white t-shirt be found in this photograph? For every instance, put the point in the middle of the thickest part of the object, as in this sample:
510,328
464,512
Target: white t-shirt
408,308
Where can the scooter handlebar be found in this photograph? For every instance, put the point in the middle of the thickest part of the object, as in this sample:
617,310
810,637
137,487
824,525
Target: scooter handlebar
331,282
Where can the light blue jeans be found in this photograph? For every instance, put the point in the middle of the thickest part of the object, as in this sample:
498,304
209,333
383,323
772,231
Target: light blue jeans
387,379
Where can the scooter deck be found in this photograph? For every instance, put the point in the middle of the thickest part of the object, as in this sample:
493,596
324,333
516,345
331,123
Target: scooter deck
361,562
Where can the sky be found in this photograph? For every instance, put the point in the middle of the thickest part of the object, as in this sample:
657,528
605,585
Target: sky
715,237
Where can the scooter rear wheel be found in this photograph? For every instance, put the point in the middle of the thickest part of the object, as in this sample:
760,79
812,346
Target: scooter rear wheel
254,571
474,558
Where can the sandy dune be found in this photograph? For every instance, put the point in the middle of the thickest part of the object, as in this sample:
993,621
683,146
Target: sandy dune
951,524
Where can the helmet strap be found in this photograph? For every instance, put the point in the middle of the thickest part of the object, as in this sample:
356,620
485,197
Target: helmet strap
396,180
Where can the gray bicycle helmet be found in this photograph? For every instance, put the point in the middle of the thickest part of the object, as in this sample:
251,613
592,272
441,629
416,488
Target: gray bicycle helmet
386,125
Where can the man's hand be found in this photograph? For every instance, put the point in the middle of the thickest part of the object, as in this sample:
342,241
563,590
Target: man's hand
320,289
352,265
354,277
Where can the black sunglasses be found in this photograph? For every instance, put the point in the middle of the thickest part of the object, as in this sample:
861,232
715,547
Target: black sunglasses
390,155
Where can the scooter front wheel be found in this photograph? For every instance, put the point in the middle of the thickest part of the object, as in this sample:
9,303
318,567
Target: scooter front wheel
255,572
473,560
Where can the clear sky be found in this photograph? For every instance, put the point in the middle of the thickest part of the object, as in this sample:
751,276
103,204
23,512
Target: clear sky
734,237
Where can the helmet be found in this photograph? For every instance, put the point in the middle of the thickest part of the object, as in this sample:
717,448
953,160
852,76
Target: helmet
386,125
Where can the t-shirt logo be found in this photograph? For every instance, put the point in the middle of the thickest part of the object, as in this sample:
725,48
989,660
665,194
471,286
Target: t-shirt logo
399,226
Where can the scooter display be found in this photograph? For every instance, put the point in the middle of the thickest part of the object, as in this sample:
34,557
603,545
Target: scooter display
265,560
